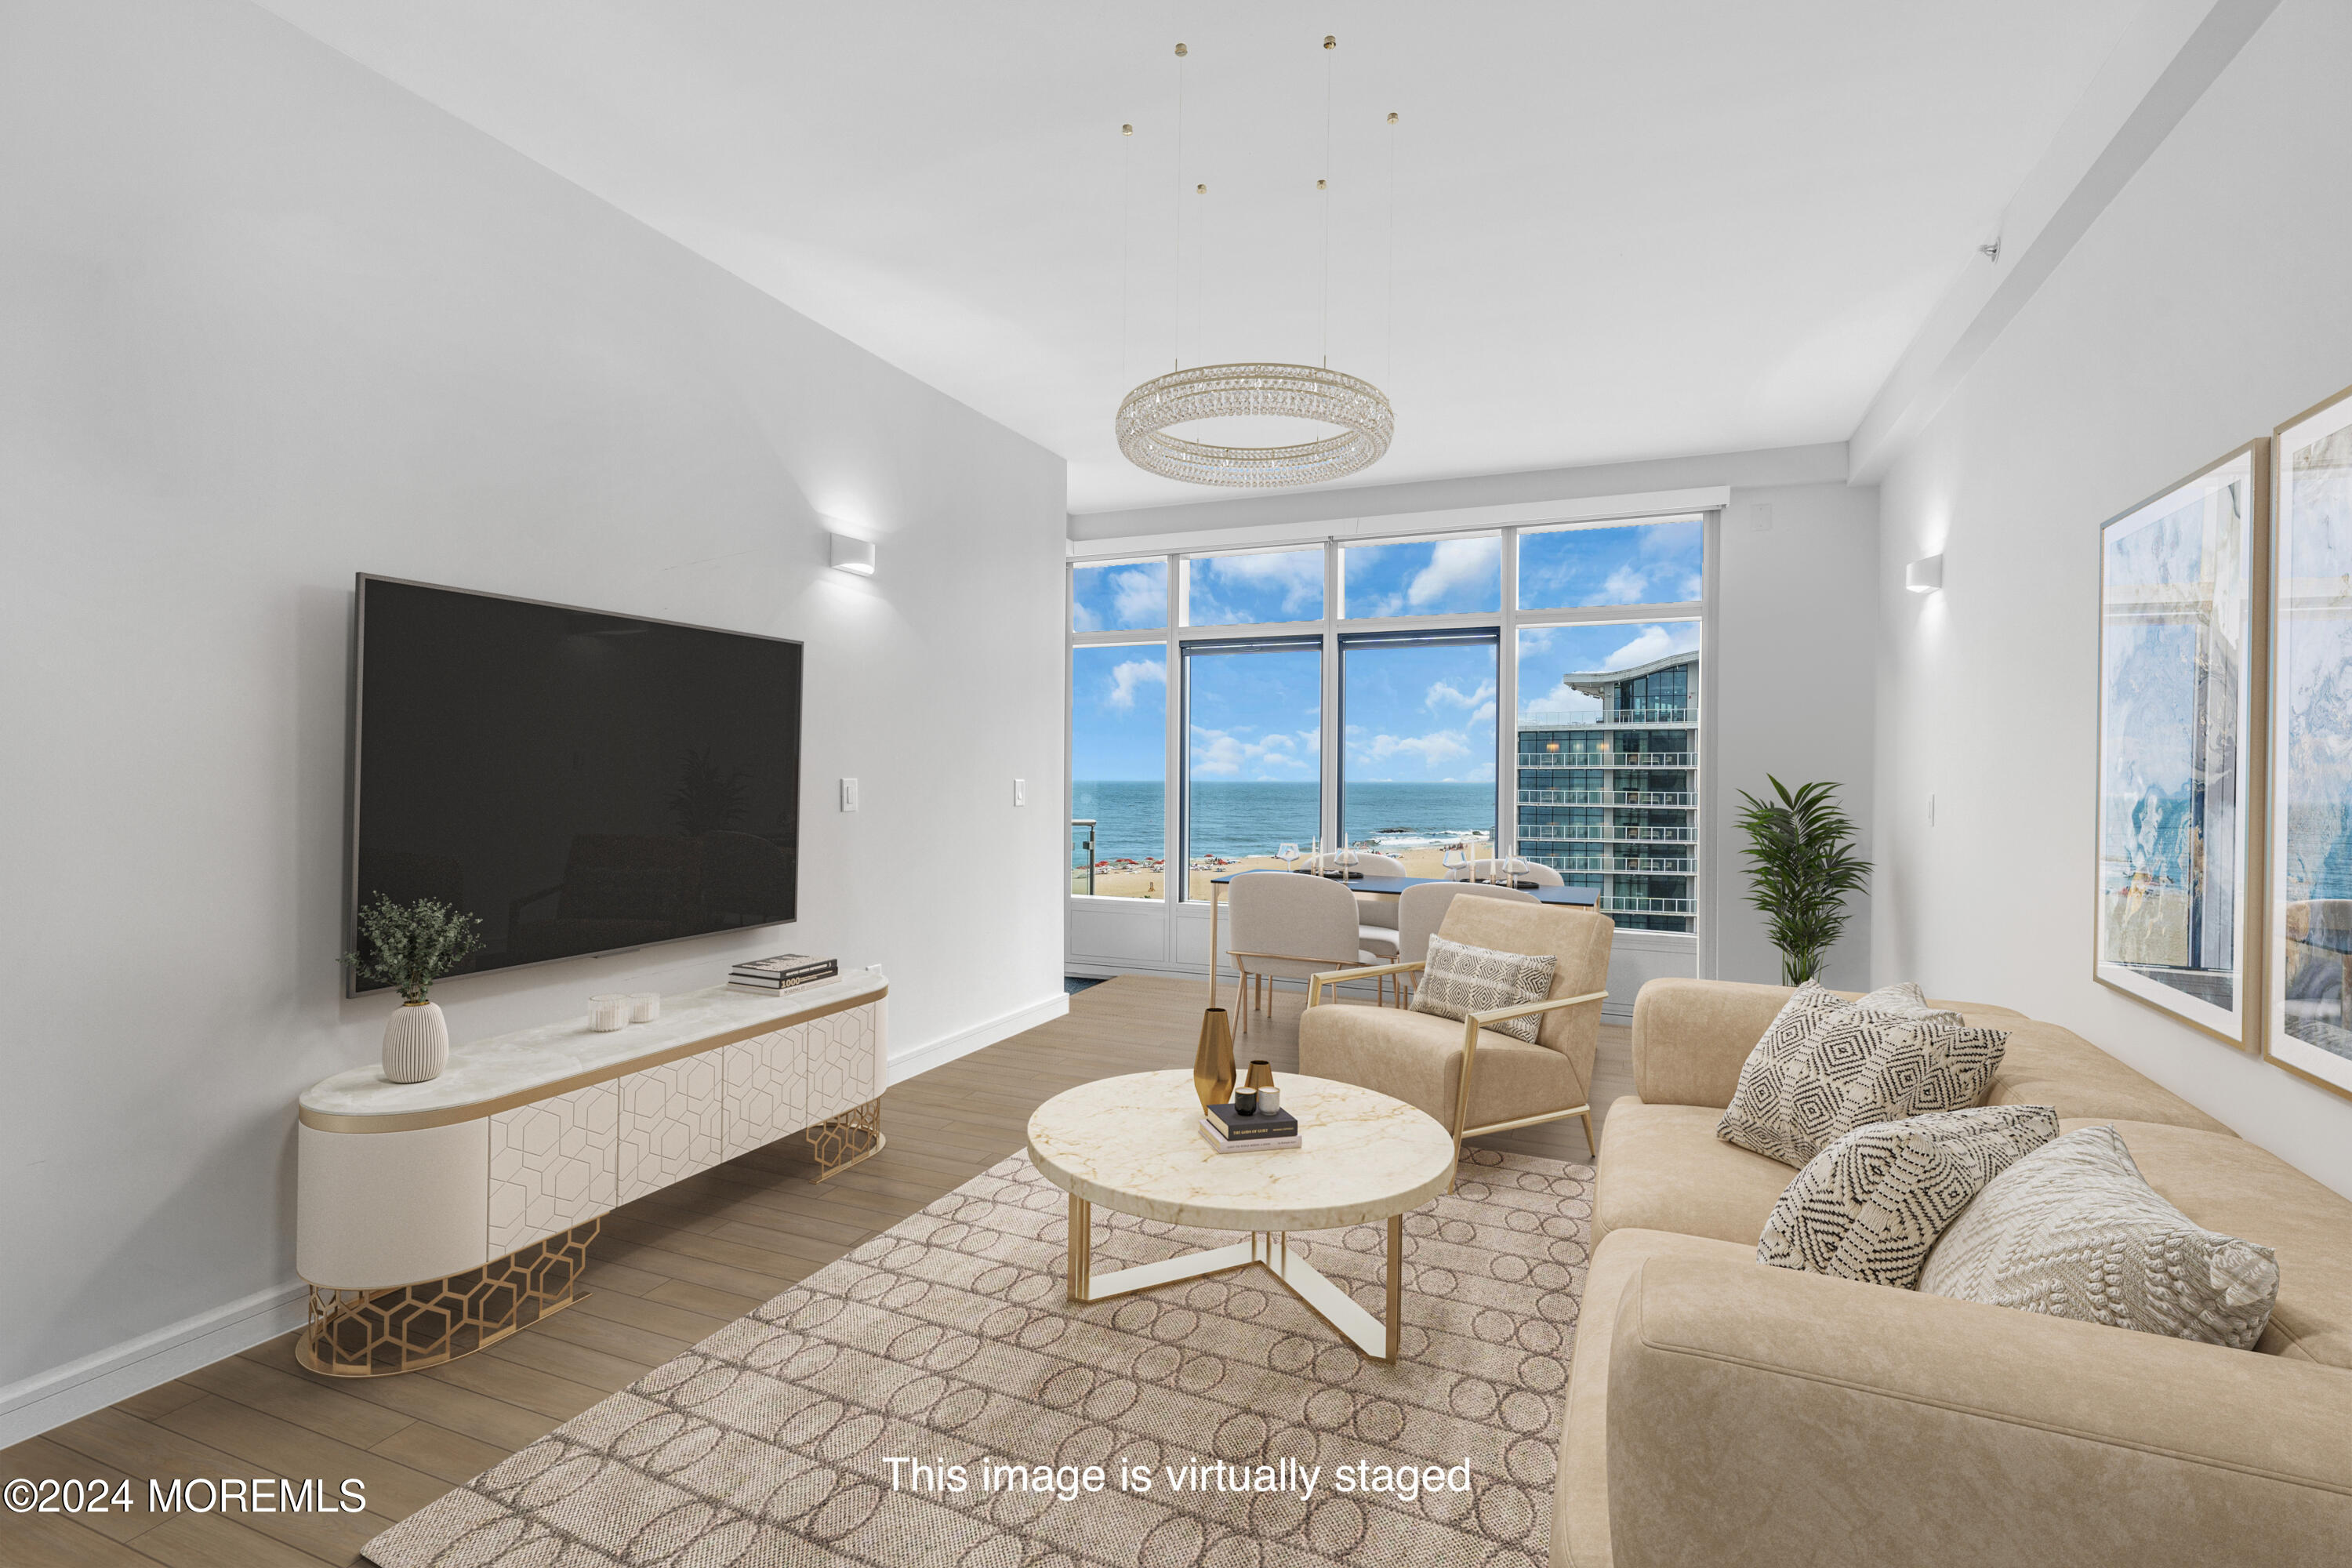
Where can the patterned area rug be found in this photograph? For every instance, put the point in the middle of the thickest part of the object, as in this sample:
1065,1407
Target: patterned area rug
947,1339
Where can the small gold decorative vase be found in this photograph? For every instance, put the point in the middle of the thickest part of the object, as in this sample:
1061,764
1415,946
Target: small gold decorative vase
1261,1074
1213,1064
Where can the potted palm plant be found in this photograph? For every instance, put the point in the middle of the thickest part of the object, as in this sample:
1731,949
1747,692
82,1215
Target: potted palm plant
1801,868
411,946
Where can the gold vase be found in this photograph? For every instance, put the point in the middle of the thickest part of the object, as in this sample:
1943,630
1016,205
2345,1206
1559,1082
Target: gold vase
1213,1063
1261,1074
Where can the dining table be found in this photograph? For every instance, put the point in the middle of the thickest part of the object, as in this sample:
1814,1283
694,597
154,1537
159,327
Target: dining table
1390,887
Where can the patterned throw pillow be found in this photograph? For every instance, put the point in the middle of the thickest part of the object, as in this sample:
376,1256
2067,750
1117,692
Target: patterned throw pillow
1871,1205
1827,1066
1462,980
2075,1231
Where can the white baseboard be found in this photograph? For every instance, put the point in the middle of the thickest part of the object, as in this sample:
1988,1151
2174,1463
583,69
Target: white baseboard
908,1063
52,1398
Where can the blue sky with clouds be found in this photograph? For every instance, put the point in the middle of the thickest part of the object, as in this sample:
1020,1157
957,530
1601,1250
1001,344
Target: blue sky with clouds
1419,715
1641,564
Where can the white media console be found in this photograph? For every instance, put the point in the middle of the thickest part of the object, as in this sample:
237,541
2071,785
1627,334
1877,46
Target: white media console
434,1218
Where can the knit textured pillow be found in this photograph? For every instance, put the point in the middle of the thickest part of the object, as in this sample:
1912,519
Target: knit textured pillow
1872,1205
1827,1066
1460,980
2075,1231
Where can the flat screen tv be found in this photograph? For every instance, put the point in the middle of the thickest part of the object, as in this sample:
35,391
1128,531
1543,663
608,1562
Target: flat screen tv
581,781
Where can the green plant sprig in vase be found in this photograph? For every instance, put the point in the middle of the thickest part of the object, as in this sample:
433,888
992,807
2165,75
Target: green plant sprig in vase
1801,868
411,946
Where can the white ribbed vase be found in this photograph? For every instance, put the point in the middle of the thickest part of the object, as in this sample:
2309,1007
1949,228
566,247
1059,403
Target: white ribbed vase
415,1042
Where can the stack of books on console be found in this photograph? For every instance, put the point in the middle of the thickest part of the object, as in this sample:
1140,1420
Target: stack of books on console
767,976
1230,1132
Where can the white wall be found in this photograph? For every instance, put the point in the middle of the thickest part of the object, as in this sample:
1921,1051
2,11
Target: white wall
2206,305
1793,694
270,321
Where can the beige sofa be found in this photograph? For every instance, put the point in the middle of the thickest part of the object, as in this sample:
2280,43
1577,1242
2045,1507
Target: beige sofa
1723,1412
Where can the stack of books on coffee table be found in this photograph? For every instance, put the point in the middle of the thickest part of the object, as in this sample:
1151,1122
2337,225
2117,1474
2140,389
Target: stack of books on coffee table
768,977
1229,1131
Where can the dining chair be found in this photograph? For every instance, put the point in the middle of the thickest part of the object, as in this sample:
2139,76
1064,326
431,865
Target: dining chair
1288,928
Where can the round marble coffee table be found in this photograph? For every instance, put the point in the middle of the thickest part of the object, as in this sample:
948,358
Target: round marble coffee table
1133,1145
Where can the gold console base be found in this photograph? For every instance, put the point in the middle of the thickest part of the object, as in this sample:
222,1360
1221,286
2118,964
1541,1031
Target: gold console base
843,1140
406,1327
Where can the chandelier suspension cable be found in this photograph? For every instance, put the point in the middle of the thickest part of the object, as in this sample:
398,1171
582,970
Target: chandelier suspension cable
1330,52
1388,325
1125,242
1177,333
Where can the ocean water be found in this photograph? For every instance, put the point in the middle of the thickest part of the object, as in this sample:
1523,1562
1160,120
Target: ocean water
1233,819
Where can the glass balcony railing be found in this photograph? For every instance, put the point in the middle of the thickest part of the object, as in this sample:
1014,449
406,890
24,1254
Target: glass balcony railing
1608,797
1597,833
1613,904
1082,854
1624,716
1607,759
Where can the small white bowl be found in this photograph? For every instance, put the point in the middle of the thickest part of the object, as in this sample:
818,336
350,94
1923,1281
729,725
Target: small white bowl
608,1011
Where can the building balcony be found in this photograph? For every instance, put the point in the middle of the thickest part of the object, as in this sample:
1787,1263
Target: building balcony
1607,759
1680,797
1647,717
1600,832
1613,904
1650,863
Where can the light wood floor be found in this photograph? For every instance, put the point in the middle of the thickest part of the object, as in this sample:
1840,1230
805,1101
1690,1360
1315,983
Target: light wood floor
667,1271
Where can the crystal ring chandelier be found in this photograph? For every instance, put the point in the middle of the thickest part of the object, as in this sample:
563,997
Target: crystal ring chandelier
1226,391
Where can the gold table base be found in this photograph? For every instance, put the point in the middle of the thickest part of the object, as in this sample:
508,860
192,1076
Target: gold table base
406,1327
1373,1338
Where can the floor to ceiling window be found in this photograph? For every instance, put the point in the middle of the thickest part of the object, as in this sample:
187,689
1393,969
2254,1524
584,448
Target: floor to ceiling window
1607,721
1254,729
1119,730
1224,703
1417,773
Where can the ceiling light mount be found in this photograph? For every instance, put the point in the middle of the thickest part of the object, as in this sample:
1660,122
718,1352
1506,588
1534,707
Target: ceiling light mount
1278,391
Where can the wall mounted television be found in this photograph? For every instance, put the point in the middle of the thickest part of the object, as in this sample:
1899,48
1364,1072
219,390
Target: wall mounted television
583,781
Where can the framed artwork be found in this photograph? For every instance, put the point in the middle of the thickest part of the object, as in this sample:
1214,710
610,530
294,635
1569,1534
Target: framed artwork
2310,1031
2182,649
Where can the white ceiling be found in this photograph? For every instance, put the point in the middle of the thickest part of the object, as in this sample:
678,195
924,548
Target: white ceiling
1620,231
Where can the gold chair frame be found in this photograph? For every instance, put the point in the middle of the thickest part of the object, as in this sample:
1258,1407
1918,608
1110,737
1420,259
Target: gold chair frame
1470,1028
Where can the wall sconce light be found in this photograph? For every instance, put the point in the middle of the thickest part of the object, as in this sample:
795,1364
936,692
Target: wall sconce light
853,554
1925,576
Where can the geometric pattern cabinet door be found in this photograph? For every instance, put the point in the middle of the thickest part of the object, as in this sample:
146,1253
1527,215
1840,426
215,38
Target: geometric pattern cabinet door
843,1069
767,1089
552,1165
672,1124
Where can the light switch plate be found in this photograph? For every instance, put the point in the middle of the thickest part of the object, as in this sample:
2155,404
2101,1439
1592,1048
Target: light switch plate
849,795
1021,791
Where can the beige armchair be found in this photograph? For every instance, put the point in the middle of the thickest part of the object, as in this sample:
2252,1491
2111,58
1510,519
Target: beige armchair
1421,911
1472,1079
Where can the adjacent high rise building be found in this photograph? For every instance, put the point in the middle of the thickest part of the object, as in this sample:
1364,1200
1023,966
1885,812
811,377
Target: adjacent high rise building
1612,801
